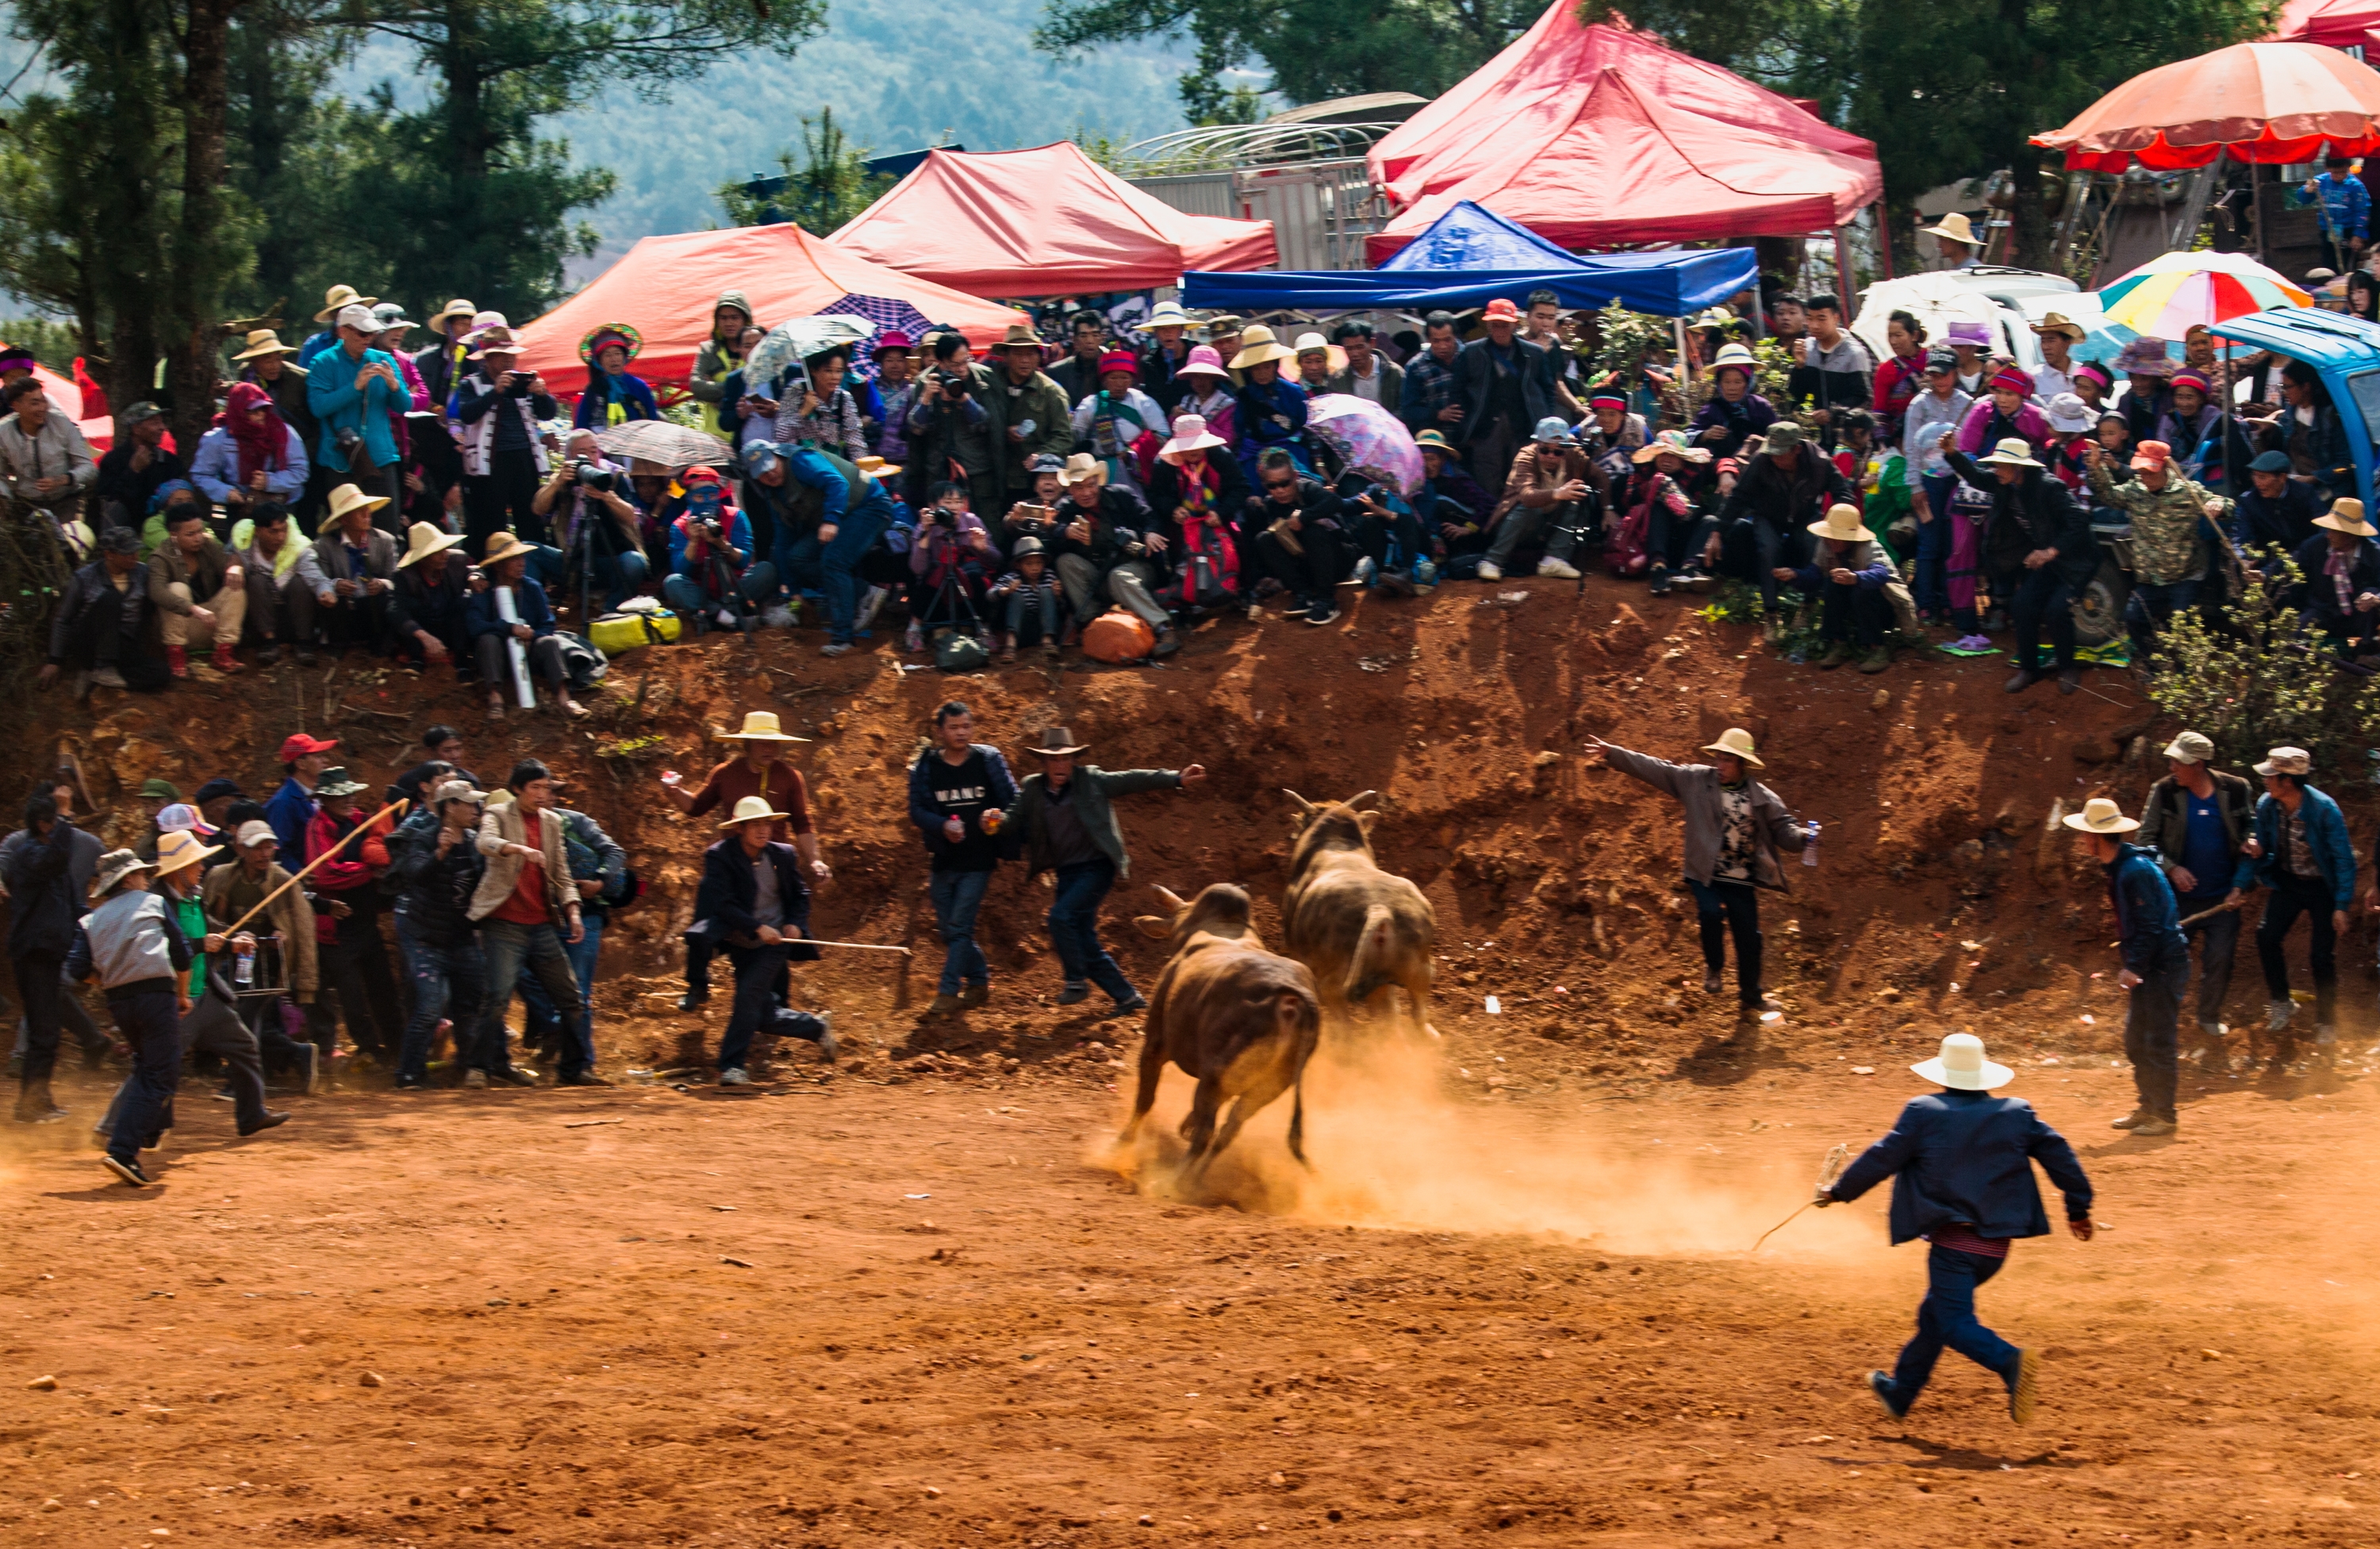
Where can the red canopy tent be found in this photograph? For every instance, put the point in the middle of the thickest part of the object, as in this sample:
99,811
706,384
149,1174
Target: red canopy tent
665,287
2334,23
1042,223
1595,134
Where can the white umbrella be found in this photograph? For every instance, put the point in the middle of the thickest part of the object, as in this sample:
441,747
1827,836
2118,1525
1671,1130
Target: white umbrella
797,339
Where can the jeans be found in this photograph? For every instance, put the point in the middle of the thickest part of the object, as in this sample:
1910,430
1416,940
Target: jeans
544,1025
212,1027
2044,596
141,1112
686,595
1040,603
1074,927
508,946
760,970
1727,908
957,895
2150,608
2151,1023
1558,523
862,526
2218,948
2292,897
1931,583
1854,613
1946,1316
448,982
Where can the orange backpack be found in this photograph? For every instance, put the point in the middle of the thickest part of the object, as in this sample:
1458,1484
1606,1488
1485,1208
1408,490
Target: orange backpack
1118,635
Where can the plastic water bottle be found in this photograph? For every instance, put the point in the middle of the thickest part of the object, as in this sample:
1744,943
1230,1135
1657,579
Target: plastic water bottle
1810,847
243,964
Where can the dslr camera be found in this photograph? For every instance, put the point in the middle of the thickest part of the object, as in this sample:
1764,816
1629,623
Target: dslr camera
589,475
350,443
955,385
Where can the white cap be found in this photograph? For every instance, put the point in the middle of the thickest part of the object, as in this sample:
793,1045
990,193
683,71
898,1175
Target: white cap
358,318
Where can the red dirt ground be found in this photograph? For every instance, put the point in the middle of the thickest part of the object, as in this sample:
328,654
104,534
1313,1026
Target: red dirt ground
1512,1298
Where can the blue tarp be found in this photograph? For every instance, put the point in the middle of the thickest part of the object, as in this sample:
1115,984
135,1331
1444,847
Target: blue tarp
1470,256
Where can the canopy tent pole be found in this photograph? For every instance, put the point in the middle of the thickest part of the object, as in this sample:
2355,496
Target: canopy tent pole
1846,283
1883,239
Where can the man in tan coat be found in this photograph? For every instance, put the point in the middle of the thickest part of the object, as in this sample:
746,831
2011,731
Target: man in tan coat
228,894
526,908
200,589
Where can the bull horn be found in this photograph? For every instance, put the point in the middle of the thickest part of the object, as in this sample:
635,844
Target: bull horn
1171,901
1360,797
1304,807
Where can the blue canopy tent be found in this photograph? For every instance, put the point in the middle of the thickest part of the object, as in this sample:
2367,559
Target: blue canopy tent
1470,256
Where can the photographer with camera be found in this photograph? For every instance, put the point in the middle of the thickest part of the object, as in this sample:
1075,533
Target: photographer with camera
951,432
951,562
597,543
353,389
498,408
713,579
1033,514
1104,550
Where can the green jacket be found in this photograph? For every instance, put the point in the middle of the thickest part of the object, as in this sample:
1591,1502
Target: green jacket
2165,545
1043,402
1027,818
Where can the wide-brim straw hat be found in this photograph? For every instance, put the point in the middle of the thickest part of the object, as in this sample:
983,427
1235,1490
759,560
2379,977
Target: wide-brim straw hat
1259,345
1308,343
1204,362
1737,741
1843,523
1736,355
1190,434
2346,516
1021,336
458,307
2012,452
112,869
876,467
1167,314
1056,742
1957,227
2059,323
506,545
422,539
1961,1066
181,849
1083,465
346,498
339,297
1432,441
759,726
1675,443
752,809
494,339
2100,815
263,341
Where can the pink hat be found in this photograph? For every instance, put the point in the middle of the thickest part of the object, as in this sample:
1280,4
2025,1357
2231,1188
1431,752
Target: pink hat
1202,362
1190,433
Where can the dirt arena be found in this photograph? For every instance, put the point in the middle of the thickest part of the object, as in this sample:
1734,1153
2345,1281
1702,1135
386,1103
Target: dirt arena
918,1301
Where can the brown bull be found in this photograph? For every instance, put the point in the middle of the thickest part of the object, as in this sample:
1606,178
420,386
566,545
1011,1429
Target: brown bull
1240,1021
1360,928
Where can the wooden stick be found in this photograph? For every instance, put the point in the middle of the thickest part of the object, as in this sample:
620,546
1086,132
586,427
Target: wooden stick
2209,914
363,827
855,946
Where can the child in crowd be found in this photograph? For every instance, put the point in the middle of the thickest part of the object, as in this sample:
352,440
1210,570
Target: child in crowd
1028,593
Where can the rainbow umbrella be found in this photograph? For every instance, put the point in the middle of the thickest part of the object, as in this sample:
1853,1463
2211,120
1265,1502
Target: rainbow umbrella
2175,292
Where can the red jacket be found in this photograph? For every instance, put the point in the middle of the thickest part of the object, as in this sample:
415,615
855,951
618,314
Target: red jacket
359,866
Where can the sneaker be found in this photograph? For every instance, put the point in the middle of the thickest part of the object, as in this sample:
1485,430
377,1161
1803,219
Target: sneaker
944,1005
727,620
305,656
1490,572
108,677
1322,613
270,1121
413,1083
733,1076
1713,982
974,994
1974,642
269,657
1837,654
1366,569
1698,582
2021,680
914,642
1396,583
1168,641
128,1170
2132,1120
1074,993
475,1080
2024,1387
1881,1384
1560,569
868,605
1657,585
310,1068
1772,629
2278,1014
836,647
1296,608
512,1075
2155,1129
1134,1002
827,1045
1875,660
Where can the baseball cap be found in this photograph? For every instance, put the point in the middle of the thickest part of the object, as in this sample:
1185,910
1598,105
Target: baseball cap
1552,427
2190,747
182,817
1500,311
216,787
253,833
299,745
1046,462
159,790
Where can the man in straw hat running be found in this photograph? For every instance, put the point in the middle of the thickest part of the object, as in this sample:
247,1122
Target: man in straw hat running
130,943
1959,1160
753,895
1847,573
1063,820
2310,864
758,772
2156,959
1735,825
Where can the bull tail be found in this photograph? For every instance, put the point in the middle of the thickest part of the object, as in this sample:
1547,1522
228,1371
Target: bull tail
1298,1121
1367,965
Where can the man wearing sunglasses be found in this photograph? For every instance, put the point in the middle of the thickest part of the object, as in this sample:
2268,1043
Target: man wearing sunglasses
1295,529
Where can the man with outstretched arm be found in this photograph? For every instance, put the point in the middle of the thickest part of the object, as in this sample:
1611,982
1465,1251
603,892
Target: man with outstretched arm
1960,1163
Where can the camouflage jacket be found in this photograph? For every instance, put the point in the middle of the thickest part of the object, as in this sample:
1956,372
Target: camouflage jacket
2165,543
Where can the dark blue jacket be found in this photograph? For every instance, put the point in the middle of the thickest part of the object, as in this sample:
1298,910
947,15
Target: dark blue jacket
480,615
2148,927
2325,836
724,900
1967,1157
42,900
289,812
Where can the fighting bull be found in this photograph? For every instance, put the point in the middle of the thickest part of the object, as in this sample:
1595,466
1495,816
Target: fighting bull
1238,1020
1359,928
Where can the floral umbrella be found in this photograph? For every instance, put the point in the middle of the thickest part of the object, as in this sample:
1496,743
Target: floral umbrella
1375,442
2170,294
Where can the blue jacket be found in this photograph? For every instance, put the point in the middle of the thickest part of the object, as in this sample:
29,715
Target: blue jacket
2148,927
635,401
289,812
480,615
1967,1157
812,469
739,537
1271,414
2325,836
216,467
331,393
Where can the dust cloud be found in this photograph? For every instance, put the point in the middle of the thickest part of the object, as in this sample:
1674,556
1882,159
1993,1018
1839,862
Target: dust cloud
1393,1145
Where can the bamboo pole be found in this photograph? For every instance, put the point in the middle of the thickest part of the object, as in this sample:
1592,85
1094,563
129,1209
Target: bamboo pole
364,826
